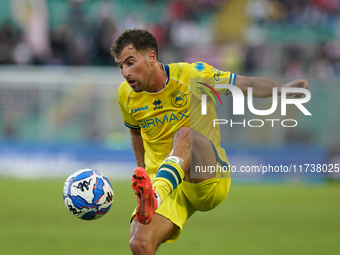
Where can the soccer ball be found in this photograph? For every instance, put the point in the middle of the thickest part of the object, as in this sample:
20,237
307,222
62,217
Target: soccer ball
88,194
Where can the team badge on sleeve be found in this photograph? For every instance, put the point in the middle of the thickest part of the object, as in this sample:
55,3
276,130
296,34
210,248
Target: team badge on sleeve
199,66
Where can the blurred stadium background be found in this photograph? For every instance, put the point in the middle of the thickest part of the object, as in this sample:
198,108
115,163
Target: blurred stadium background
58,83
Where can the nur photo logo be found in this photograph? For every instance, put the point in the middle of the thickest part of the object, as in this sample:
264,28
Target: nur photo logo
239,104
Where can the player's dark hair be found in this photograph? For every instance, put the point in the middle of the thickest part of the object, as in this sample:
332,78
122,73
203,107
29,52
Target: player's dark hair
141,39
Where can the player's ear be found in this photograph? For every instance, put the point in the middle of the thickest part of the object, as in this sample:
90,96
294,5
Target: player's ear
152,57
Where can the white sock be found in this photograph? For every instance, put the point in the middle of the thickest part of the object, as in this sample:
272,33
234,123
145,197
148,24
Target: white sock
159,200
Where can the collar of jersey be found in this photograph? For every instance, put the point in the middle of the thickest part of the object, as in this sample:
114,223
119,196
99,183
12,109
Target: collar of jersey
167,72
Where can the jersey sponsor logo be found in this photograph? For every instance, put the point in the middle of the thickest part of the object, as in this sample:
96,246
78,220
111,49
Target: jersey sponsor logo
157,104
167,118
178,99
199,66
138,109
217,73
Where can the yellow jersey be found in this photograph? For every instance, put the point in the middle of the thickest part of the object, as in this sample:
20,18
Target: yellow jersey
159,115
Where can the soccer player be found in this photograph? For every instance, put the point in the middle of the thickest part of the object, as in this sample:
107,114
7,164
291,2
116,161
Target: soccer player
157,103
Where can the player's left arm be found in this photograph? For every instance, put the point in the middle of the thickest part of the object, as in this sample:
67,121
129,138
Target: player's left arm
262,86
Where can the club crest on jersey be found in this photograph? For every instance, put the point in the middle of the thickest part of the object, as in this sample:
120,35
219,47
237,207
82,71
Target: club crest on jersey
157,104
178,99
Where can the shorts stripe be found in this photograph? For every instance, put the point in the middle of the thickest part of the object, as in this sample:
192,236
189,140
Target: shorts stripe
218,159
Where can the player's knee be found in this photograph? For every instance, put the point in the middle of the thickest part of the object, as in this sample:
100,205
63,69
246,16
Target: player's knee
194,138
140,246
183,132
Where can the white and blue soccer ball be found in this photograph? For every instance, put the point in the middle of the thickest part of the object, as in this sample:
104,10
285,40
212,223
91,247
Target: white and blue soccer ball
88,194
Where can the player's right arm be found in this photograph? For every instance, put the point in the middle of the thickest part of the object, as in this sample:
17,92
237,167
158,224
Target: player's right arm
262,86
130,122
138,147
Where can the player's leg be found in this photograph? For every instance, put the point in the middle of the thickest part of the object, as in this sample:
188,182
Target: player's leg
189,148
203,191
188,145
196,150
145,239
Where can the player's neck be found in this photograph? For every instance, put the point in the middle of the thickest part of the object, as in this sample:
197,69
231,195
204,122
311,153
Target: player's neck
158,79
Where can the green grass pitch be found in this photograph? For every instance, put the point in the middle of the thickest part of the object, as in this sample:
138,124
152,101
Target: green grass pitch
254,219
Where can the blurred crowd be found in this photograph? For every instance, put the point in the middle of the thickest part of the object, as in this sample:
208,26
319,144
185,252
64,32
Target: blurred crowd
313,27
84,38
185,32
319,13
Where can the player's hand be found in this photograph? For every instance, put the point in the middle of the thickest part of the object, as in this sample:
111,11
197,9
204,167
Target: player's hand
299,83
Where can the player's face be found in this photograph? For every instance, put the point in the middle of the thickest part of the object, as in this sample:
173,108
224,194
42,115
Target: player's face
134,67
